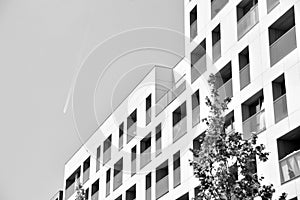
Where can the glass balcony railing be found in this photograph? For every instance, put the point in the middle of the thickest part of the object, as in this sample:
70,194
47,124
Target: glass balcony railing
148,194
118,180
229,128
95,196
216,51
179,129
249,20
272,4
145,157
106,155
176,177
178,88
289,166
280,108
131,132
107,188
283,46
198,68
158,147
225,90
86,175
193,29
254,124
70,190
216,7
148,116
196,116
244,76
162,186
133,167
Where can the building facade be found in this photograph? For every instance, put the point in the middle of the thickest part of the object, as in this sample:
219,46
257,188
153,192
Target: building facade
141,151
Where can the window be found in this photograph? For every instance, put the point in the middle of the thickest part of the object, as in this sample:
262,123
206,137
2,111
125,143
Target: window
289,155
148,186
176,169
198,61
107,182
271,4
279,98
118,174
229,123
107,150
184,197
197,144
193,23
133,161
98,158
95,190
244,65
247,16
217,6
148,109
216,43
224,82
121,135
145,151
71,182
253,115
119,198
131,126
86,169
179,122
131,193
282,37
195,108
86,194
162,179
158,140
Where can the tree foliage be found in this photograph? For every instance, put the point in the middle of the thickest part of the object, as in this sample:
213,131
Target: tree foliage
226,164
80,193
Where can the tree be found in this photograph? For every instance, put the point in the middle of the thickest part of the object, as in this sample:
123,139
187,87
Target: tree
226,164
80,193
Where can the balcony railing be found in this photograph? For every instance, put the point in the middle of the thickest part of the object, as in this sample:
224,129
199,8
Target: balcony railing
179,129
118,180
148,116
280,108
176,177
198,68
162,186
133,167
158,147
178,88
229,128
131,132
249,20
107,188
283,46
193,30
106,155
95,196
225,90
148,194
216,51
145,157
86,175
244,76
289,166
254,124
216,7
70,190
195,116
272,4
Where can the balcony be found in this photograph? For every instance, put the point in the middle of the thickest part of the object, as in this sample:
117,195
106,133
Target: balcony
145,157
216,51
70,190
216,7
148,194
198,68
118,178
289,166
225,90
179,129
196,116
283,46
86,175
106,155
178,88
280,108
162,186
95,196
249,20
148,116
193,30
176,177
244,76
272,4
131,132
254,124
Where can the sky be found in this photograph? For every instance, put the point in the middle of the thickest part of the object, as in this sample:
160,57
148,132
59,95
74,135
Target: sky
51,47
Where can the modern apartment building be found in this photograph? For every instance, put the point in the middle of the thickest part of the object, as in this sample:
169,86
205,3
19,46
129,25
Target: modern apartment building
141,151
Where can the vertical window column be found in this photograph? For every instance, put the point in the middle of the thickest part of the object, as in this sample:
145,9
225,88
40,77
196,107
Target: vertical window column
145,151
86,169
179,122
162,180
118,174
148,110
133,161
121,135
131,125
244,65
279,98
193,23
158,145
95,190
107,150
216,43
98,158
107,182
148,186
195,108
176,169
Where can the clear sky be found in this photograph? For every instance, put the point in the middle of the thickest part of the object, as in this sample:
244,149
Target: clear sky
42,43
